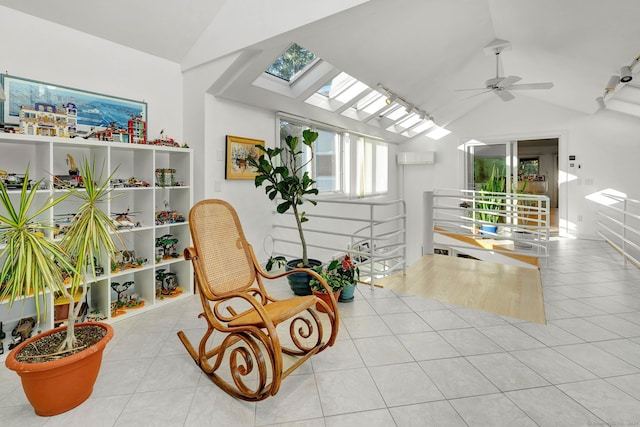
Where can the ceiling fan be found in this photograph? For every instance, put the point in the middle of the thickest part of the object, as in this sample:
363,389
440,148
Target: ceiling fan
502,86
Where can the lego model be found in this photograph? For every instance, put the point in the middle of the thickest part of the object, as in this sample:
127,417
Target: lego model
169,245
169,217
48,120
12,180
167,284
22,331
137,129
111,133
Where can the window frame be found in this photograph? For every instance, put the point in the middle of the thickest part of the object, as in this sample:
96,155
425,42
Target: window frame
347,167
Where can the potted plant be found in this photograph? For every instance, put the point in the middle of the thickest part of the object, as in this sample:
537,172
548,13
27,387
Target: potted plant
33,264
282,169
490,203
341,277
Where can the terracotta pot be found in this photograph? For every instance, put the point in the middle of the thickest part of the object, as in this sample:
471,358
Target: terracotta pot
60,385
325,297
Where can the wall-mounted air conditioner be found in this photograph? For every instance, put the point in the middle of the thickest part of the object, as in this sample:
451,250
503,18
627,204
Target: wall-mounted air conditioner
417,158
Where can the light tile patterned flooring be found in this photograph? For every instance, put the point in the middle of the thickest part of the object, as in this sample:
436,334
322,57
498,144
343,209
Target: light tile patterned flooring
401,360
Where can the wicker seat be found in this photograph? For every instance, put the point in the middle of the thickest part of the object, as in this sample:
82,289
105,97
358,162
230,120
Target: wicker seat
242,351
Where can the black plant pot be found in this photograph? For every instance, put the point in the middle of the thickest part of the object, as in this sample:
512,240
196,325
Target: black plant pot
299,282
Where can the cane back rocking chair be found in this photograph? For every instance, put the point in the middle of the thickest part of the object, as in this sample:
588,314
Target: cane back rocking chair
248,363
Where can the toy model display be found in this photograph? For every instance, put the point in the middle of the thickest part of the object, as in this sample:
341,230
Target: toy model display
22,331
137,129
72,180
13,180
123,219
124,301
168,244
128,183
169,217
62,222
49,120
167,284
165,177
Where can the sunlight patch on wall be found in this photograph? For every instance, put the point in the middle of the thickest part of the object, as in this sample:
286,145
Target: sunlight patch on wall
469,143
564,177
603,197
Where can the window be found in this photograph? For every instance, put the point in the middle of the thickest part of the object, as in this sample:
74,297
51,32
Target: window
372,172
332,168
291,62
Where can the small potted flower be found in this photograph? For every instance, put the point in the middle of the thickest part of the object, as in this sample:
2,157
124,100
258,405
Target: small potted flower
341,276
350,273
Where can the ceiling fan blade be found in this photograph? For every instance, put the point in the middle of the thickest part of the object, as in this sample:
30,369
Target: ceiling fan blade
508,81
547,85
504,95
476,94
475,88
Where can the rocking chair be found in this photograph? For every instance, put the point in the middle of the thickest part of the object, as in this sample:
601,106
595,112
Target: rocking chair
248,363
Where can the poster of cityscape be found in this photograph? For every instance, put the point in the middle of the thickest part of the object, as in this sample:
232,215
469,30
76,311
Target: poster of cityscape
95,111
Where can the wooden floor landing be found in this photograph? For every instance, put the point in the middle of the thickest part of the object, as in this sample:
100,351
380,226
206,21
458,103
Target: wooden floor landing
502,289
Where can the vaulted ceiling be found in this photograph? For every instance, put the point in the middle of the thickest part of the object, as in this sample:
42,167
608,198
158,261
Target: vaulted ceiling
423,50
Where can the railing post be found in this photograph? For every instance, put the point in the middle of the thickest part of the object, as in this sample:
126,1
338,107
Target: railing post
427,232
371,249
624,231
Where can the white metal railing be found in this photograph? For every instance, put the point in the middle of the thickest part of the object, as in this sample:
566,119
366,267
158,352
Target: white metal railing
618,223
372,233
521,221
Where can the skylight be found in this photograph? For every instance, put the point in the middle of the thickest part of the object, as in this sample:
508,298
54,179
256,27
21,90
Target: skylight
295,59
298,72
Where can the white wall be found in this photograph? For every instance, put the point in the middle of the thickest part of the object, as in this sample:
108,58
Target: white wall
606,146
208,119
40,50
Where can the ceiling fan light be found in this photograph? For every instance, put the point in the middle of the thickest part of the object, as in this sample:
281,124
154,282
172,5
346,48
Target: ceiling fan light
613,82
625,74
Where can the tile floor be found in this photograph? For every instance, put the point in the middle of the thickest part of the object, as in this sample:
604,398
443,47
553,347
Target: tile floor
403,361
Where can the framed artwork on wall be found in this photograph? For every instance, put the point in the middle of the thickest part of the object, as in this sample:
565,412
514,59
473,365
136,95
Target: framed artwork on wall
95,111
238,152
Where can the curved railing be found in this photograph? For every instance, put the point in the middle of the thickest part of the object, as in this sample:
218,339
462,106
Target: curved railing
372,233
521,221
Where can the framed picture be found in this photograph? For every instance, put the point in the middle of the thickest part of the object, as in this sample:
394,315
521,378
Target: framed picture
95,111
238,152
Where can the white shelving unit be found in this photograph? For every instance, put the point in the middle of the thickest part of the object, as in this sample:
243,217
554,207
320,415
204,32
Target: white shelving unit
47,156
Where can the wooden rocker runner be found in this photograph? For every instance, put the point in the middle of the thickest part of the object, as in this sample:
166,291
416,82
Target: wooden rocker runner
248,363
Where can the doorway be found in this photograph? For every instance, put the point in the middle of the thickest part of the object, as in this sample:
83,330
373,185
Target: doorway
529,165
538,167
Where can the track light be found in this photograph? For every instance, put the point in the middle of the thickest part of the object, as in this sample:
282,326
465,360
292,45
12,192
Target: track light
625,74
391,98
613,82
600,101
409,108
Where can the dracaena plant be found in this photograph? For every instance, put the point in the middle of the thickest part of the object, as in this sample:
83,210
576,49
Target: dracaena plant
91,236
34,263
282,171
31,262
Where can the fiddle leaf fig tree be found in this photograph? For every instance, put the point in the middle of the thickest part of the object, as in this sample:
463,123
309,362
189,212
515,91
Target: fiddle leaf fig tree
283,171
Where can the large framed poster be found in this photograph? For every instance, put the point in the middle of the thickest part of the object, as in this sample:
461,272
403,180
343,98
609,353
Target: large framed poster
95,110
